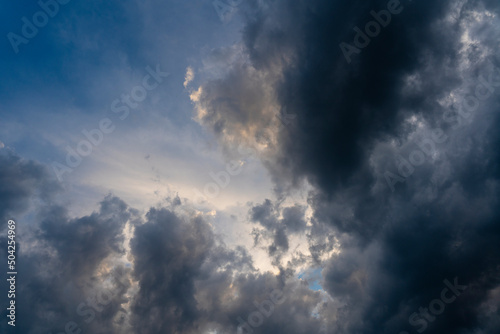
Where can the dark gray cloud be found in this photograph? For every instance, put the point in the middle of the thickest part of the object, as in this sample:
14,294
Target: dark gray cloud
169,255
99,235
264,214
22,180
190,282
64,264
294,218
74,273
354,122
275,228
70,273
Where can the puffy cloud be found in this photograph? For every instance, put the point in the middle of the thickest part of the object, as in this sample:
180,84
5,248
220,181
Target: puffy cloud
355,121
72,274
72,268
175,275
279,224
189,281
21,181
189,76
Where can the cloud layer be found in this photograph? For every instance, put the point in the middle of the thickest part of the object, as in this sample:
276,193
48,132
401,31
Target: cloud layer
396,147
357,121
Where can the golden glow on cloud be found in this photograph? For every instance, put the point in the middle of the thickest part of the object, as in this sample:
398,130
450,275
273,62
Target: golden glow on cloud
189,76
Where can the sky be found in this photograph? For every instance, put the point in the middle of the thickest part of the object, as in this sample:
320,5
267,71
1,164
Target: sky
250,166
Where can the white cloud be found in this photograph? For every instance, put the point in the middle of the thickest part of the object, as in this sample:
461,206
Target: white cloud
189,76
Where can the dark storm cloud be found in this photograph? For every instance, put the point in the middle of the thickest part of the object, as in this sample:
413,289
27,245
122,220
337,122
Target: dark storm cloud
292,57
351,119
68,273
21,180
64,262
190,282
98,235
185,279
342,108
169,255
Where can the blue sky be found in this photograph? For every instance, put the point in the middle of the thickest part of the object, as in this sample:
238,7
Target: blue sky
66,78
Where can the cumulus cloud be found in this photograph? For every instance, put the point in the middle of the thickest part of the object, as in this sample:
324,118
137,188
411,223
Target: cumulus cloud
355,122
277,228
22,181
72,273
189,76
189,281
175,274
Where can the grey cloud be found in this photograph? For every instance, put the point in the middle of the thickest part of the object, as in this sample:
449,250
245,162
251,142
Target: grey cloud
351,119
65,270
21,181
294,218
190,282
277,229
